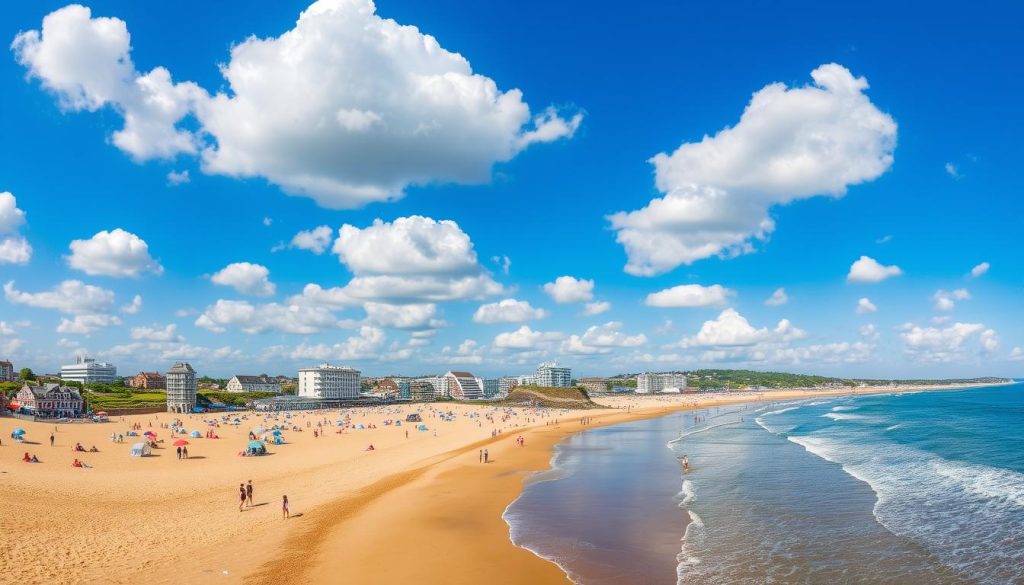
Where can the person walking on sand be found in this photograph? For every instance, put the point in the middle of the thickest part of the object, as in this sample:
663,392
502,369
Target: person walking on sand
248,493
241,496
179,452
481,455
51,439
184,452
486,456
284,508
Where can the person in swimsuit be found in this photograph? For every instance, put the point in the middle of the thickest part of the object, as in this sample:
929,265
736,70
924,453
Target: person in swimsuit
248,493
241,496
284,507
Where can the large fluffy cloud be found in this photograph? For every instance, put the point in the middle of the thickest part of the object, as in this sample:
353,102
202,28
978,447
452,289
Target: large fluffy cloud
246,278
367,344
14,248
411,316
346,107
249,318
525,338
602,339
732,329
114,253
790,143
690,296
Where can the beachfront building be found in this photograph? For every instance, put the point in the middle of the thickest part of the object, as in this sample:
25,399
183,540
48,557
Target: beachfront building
51,400
657,383
464,386
242,383
507,383
181,388
421,391
492,387
6,371
87,370
330,382
440,385
598,385
148,381
551,375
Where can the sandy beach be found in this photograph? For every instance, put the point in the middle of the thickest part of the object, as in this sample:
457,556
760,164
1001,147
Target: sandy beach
419,507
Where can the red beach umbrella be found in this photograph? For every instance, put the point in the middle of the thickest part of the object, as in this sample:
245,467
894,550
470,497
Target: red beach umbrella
180,443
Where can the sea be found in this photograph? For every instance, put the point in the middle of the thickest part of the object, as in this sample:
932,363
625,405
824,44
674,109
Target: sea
923,487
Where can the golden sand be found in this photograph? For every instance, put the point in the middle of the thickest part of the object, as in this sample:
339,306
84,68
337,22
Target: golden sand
419,508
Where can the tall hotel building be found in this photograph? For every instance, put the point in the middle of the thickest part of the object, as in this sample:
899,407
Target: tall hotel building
329,382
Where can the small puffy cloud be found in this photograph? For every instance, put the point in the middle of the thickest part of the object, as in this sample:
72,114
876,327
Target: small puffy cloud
1017,354
779,297
525,338
731,329
114,253
979,270
602,339
865,306
267,222
249,318
869,331
70,296
946,344
508,311
596,308
86,324
175,178
316,240
789,144
868,270
156,333
346,107
411,316
412,259
134,307
568,289
246,278
953,171
14,249
690,296
946,301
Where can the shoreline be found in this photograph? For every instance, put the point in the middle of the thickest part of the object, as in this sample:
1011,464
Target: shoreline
454,508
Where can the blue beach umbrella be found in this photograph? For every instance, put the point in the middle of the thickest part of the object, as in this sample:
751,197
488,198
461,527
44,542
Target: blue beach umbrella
255,445
18,431
195,434
276,433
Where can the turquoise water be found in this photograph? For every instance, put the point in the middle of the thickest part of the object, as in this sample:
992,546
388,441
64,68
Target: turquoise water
911,488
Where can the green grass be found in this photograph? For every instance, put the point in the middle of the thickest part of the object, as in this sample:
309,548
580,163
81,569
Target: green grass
574,398
109,401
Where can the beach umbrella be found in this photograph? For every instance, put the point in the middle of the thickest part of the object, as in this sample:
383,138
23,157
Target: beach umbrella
101,413
180,443
149,434
255,445
195,434
276,433
18,431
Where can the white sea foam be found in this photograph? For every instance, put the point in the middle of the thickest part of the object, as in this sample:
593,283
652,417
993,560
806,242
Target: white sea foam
962,513
844,416
700,430
687,495
843,407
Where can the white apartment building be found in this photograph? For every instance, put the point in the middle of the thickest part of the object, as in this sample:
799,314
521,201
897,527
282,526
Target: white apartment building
464,386
551,375
656,383
87,370
181,388
327,381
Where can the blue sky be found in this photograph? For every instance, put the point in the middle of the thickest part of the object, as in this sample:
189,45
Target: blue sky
874,131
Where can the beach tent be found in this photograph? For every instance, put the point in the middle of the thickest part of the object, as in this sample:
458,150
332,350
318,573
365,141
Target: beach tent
195,434
256,448
421,428
276,433
18,432
141,450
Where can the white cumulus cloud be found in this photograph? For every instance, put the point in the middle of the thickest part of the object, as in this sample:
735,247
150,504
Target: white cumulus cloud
525,338
979,270
346,107
869,270
14,248
789,144
602,339
508,311
946,300
946,344
116,253
779,297
568,289
690,296
246,278
865,306
316,240
596,308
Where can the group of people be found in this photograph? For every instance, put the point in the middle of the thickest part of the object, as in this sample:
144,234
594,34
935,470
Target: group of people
485,456
245,499
78,463
521,441
116,438
32,459
182,452
78,447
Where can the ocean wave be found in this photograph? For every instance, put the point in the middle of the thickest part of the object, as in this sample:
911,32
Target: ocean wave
844,416
841,408
964,514
687,495
700,430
